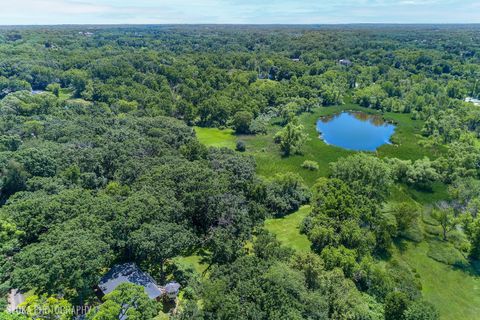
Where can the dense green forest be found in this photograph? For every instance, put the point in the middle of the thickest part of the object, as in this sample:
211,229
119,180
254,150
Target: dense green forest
192,151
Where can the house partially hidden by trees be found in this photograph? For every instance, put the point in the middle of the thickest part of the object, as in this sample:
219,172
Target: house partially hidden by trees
473,100
131,273
172,289
345,62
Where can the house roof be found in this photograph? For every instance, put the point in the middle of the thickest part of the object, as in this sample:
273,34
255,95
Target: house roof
172,287
129,273
345,61
473,100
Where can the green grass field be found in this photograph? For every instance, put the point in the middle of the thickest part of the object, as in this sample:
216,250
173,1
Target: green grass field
65,94
455,292
213,137
287,229
193,261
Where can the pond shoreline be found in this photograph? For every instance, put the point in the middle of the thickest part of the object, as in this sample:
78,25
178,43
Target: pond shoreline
355,130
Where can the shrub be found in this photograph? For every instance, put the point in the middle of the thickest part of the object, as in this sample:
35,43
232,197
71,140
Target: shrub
292,138
446,253
395,305
406,214
258,126
422,174
278,137
421,310
241,146
365,174
310,165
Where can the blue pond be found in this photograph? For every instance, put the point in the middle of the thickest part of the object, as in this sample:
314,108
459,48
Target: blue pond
355,131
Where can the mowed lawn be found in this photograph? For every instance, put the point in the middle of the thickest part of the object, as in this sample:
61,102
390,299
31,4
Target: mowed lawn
213,137
287,229
194,261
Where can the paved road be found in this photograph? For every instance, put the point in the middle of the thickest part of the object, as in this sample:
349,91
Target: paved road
14,299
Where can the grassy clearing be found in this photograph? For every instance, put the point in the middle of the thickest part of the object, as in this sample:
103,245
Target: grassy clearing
213,137
287,229
193,261
401,192
65,94
454,291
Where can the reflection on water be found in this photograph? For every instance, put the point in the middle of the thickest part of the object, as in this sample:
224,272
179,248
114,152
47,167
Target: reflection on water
355,130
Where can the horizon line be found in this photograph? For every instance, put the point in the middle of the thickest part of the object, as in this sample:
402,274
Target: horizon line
243,24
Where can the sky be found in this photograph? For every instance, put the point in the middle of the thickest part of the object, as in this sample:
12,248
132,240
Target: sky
15,12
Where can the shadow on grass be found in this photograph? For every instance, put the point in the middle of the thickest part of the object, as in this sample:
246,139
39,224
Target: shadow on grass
204,256
472,269
402,244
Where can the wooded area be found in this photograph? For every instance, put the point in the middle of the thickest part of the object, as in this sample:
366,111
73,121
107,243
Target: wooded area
108,154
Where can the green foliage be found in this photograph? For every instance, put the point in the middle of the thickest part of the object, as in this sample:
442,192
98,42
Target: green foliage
9,245
446,253
406,215
123,106
268,286
47,307
473,232
336,216
54,88
240,146
421,310
13,177
77,79
23,103
341,257
422,174
365,174
310,165
98,164
396,304
371,96
465,191
47,265
242,121
155,243
446,219
285,193
11,85
127,300
13,316
291,138
10,143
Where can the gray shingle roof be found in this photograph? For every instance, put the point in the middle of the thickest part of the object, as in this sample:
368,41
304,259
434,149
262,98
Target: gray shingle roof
172,287
129,272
